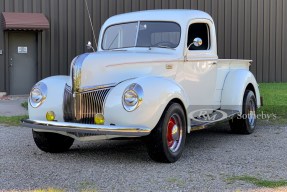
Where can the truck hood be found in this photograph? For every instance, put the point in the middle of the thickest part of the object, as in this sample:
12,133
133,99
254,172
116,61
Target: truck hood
111,67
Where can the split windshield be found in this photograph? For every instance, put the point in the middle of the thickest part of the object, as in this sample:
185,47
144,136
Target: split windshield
142,34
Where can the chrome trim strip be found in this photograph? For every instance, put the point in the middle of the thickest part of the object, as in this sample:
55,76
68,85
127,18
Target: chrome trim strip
137,35
77,72
94,88
86,128
76,81
146,62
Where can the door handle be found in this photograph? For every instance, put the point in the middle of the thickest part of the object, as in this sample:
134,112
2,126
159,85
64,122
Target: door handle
213,63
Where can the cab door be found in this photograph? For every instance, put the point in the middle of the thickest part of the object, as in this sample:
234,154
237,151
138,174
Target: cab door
200,66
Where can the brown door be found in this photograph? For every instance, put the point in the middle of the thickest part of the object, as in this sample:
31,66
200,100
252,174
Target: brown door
22,62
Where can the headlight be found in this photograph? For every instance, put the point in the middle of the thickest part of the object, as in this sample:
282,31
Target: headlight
132,97
38,94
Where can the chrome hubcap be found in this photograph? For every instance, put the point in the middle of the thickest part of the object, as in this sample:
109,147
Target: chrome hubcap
174,133
251,113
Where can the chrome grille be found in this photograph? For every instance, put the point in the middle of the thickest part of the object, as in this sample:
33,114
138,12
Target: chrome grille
82,107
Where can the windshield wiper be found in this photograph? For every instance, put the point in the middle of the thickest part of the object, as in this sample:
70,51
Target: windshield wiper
113,40
162,46
119,49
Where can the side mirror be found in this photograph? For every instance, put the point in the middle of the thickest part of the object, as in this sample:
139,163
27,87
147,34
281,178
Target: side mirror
89,46
197,42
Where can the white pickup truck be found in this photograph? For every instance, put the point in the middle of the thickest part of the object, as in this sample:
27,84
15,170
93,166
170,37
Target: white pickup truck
156,75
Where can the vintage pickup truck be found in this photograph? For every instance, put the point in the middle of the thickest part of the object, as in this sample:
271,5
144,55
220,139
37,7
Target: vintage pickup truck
155,75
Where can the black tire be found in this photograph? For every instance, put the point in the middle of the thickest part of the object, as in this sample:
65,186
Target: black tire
246,123
166,141
52,142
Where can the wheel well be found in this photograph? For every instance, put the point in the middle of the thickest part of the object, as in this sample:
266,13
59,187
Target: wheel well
176,100
251,88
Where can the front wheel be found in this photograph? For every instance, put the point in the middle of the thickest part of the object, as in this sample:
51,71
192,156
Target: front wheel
245,124
167,139
52,142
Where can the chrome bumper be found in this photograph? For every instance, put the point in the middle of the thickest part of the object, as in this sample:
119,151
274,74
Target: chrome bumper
86,128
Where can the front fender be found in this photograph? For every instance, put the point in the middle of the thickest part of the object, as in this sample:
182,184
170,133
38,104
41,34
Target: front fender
234,87
158,92
54,100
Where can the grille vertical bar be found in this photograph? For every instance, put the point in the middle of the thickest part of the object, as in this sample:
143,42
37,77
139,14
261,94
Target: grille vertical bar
87,105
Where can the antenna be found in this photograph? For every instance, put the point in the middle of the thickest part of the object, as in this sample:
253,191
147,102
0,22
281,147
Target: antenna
91,24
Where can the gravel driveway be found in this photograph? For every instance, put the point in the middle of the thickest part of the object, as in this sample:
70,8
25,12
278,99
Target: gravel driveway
210,157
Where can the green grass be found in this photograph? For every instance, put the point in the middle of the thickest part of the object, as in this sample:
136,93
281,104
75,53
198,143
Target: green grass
274,101
12,121
176,181
48,190
25,105
87,186
89,190
258,182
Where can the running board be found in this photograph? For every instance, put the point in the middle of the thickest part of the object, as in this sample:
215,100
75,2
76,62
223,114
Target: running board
218,116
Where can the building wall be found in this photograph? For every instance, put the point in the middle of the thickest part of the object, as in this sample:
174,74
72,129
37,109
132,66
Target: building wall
246,29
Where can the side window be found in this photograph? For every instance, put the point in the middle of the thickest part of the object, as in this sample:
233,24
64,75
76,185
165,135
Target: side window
199,30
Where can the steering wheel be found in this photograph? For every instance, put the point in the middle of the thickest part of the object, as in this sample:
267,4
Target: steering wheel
165,44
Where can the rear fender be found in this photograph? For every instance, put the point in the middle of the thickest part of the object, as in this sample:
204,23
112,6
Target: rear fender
234,87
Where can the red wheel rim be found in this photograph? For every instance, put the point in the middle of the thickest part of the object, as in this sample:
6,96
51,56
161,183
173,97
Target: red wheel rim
171,124
174,133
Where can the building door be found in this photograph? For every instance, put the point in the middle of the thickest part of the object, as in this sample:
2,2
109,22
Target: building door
22,62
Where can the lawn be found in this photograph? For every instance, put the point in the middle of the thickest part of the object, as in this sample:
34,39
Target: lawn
274,101
12,121
258,182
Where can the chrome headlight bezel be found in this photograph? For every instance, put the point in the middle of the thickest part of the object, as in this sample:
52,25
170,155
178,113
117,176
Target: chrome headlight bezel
132,97
38,94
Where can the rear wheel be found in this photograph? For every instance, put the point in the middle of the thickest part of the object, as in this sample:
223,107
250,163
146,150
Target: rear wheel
52,142
167,139
246,123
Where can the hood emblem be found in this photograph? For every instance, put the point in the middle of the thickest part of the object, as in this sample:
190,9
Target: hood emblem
168,66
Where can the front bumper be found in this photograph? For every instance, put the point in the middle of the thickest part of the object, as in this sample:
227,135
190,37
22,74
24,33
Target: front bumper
86,128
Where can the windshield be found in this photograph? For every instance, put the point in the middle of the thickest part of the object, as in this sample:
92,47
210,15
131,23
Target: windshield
142,34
